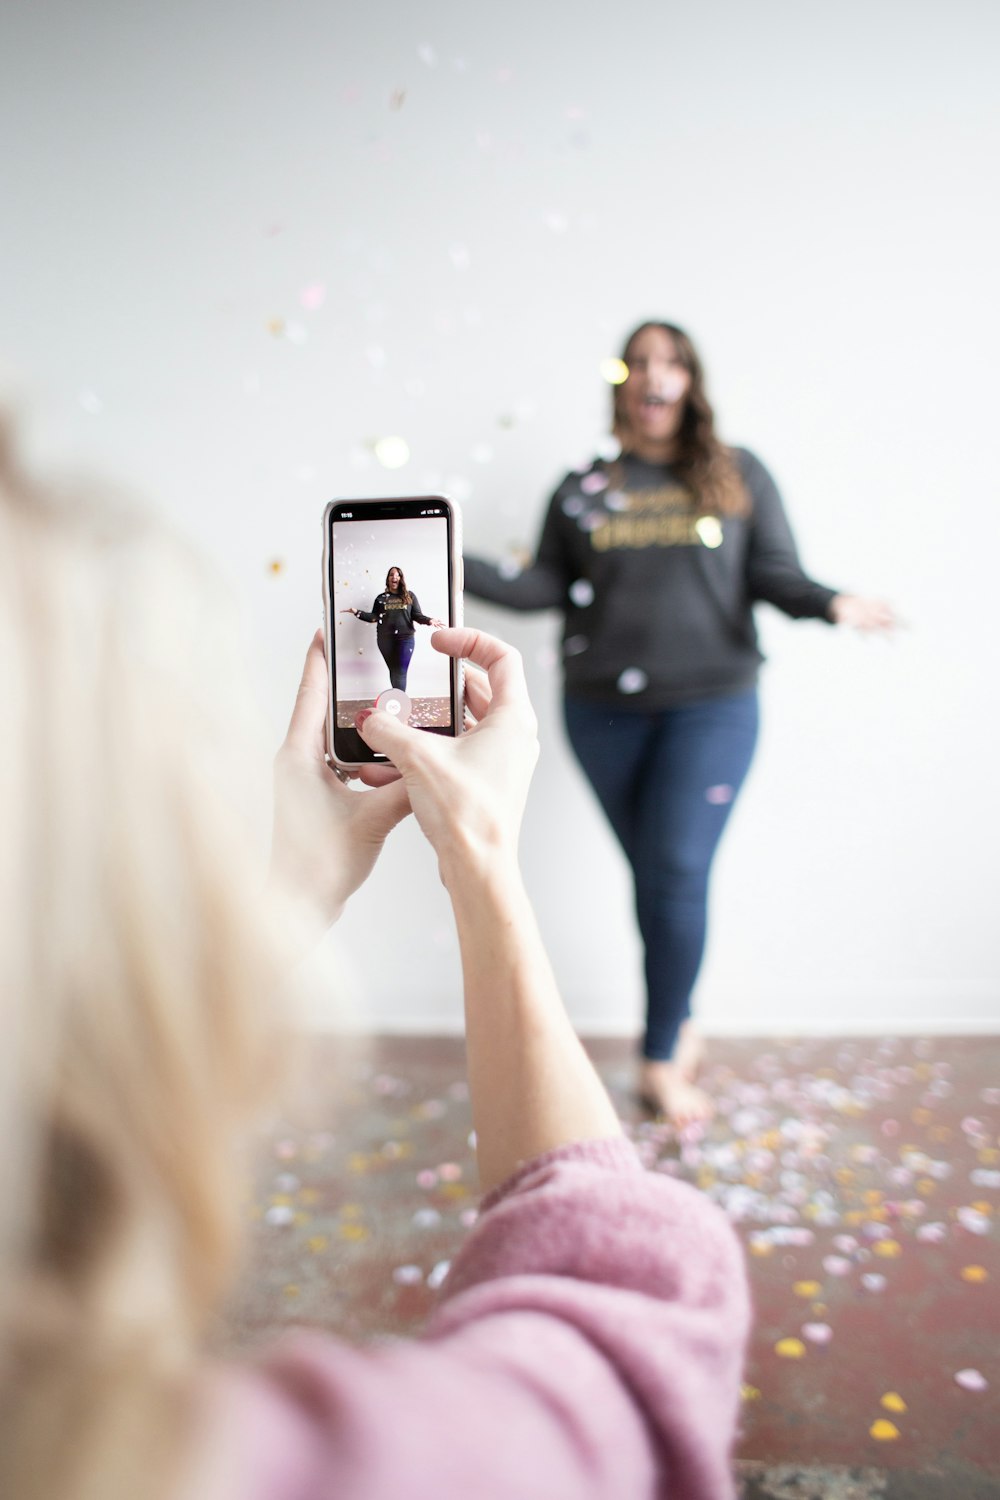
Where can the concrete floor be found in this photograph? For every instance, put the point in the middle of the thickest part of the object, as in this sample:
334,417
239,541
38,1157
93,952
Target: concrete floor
862,1175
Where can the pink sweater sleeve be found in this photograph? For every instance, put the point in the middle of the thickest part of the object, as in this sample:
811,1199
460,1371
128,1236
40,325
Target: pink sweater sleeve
588,1346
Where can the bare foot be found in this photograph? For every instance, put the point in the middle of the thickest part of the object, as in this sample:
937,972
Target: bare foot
664,1089
689,1054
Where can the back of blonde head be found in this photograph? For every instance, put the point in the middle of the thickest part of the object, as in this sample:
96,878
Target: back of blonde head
135,983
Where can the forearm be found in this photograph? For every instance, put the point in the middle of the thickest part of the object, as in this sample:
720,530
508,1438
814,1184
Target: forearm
532,1085
535,587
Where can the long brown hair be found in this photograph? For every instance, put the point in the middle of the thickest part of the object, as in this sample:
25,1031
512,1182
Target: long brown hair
703,462
407,597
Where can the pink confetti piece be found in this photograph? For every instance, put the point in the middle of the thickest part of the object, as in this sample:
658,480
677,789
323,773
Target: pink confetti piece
845,1243
972,1380
427,1178
817,1333
873,1281
836,1265
312,296
468,1217
450,1171
932,1234
990,1096
971,1126
718,796
594,483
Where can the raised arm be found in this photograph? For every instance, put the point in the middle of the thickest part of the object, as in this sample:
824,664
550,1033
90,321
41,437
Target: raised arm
775,574
533,1087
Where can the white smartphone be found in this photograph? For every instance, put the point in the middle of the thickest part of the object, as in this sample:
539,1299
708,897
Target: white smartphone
392,573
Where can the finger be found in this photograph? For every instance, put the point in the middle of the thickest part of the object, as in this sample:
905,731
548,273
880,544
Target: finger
373,775
501,662
391,803
477,694
385,734
306,729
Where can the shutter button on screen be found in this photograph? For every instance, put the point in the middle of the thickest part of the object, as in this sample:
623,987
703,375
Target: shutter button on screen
394,701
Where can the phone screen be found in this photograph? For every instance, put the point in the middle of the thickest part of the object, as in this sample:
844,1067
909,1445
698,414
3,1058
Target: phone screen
391,573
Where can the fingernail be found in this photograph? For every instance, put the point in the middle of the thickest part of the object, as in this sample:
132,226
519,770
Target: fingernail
361,717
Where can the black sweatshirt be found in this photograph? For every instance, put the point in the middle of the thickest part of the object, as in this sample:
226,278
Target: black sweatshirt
657,599
393,615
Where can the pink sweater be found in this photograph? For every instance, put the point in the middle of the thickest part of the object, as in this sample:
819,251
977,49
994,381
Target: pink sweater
588,1346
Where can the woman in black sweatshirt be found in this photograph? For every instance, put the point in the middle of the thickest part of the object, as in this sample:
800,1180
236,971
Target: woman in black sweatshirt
656,560
394,613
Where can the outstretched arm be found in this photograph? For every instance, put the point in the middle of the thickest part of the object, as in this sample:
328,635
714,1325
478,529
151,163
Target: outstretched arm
533,1087
543,584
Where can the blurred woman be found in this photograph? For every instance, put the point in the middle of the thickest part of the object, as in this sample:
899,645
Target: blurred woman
596,1311
656,560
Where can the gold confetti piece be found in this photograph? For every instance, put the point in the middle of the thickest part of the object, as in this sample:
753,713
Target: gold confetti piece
988,1156
883,1431
291,1291
300,1220
790,1348
807,1288
941,1133
982,1207
614,371
351,1211
921,1117
888,1249
925,1186
974,1274
453,1190
282,1200
276,326
308,1196
357,1162
317,1243
893,1401
761,1248
275,567
873,1195
844,1176
854,1216
749,1393
353,1232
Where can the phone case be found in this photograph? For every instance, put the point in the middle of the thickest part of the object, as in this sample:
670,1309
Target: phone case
455,613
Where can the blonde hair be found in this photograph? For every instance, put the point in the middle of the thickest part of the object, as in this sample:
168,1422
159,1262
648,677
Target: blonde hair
137,975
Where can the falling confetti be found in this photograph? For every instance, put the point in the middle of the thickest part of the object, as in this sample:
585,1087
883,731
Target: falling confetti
632,680
790,1348
276,567
614,371
594,483
719,795
312,296
817,1333
582,593
893,1401
972,1380
975,1275
392,452
709,530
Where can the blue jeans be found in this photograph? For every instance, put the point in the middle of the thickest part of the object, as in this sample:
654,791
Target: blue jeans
396,652
667,782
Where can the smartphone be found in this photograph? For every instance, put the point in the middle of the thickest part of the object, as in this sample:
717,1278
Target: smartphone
391,574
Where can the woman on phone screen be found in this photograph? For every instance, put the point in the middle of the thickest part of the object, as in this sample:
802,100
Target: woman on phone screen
395,612
656,560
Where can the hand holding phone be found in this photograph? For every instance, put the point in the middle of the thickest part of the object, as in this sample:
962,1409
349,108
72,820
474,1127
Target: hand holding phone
396,565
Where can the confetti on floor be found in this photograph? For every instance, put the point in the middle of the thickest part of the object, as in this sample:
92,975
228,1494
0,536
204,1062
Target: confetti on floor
872,1251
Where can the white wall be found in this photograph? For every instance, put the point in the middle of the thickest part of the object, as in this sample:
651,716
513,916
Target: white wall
491,197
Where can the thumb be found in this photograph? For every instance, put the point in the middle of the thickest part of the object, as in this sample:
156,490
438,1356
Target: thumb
381,732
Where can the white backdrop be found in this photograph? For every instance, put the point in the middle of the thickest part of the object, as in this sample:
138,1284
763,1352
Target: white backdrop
242,243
